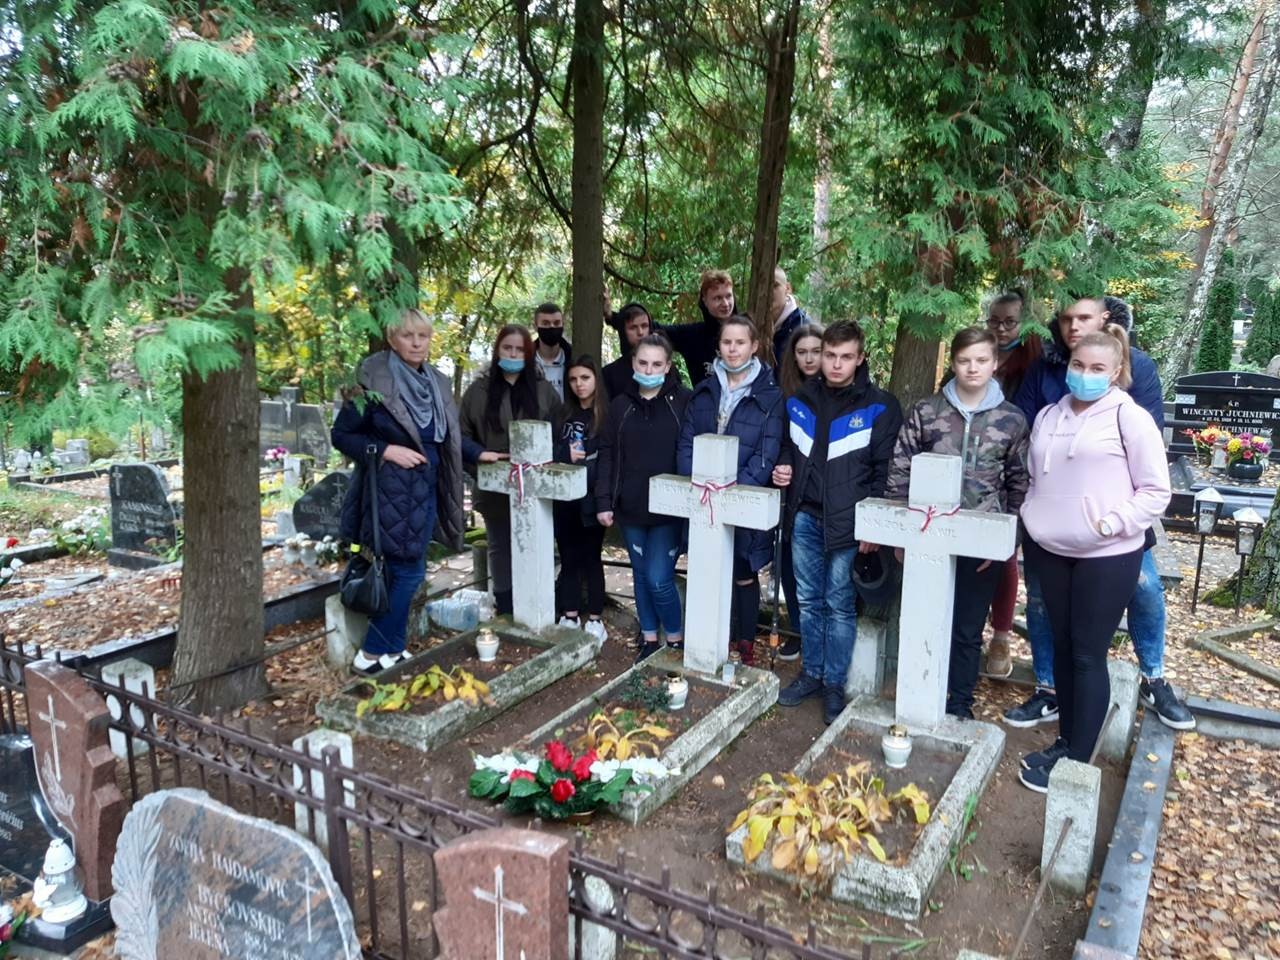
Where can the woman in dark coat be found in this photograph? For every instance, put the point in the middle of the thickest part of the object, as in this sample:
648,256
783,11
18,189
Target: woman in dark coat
403,411
740,399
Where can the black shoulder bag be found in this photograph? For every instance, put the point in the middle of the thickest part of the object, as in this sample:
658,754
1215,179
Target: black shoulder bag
364,582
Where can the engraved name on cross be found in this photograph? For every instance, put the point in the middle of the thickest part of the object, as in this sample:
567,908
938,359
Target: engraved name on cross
715,506
500,903
933,531
54,726
532,481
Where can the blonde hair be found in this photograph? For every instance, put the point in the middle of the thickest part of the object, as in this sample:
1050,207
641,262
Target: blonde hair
1114,338
411,315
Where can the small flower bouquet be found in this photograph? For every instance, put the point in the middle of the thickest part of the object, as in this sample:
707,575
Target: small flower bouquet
1247,448
329,551
559,785
276,455
1205,440
10,924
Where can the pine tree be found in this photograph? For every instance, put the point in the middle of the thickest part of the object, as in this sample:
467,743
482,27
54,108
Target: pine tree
167,161
1216,341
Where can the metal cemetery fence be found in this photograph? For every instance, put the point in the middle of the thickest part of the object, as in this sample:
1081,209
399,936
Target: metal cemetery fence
379,836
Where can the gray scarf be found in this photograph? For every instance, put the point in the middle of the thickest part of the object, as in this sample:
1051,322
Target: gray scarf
417,389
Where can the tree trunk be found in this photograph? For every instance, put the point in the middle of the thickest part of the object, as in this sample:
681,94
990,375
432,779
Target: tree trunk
1139,75
1262,570
1222,141
915,366
221,623
587,231
775,129
1253,120
822,178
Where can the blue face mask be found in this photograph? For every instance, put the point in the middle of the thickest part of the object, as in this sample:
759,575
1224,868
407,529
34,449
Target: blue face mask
509,365
1087,386
649,381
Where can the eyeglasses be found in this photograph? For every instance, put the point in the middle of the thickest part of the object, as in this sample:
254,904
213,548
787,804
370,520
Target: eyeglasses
1008,324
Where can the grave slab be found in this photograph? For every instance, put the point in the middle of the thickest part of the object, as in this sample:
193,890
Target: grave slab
195,879
900,891
76,767
751,694
1073,793
506,894
531,480
563,651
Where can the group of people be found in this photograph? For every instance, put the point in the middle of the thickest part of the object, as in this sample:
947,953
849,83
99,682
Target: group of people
1066,434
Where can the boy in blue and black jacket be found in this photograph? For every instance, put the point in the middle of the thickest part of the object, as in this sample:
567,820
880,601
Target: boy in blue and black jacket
841,433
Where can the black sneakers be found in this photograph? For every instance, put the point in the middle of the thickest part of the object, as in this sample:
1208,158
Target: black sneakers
790,650
1049,755
1037,778
832,704
801,688
1158,695
1040,707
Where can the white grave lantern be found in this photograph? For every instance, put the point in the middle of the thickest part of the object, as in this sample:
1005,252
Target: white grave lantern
715,505
933,531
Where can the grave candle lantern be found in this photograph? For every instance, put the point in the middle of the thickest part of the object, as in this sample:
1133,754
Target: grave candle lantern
677,690
59,890
1248,524
1208,509
1219,462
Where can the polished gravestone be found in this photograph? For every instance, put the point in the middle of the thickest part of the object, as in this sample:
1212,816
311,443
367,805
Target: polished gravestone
318,513
143,521
300,428
198,881
1237,401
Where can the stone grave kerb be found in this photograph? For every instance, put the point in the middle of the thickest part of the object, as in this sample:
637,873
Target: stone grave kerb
933,530
76,767
532,481
715,506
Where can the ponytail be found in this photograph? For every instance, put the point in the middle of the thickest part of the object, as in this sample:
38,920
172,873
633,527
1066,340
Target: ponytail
1113,337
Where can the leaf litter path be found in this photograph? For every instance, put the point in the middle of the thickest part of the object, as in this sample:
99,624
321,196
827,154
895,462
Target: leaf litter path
1215,890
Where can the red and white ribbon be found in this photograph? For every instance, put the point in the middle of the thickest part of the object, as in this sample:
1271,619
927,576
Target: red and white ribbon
709,488
516,475
930,513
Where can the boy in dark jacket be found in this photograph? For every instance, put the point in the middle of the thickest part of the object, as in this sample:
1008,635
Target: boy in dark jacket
1045,384
842,430
697,342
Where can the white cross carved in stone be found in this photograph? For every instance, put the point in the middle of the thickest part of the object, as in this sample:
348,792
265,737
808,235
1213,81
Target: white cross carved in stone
500,903
933,531
715,506
54,725
1236,379
532,481
310,892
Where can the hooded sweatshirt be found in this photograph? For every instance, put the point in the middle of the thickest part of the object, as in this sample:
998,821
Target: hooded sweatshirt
1106,464
697,342
991,439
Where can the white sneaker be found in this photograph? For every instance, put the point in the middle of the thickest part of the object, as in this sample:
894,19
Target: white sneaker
366,664
389,660
573,623
597,629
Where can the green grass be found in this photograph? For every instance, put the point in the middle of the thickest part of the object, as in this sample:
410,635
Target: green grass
22,510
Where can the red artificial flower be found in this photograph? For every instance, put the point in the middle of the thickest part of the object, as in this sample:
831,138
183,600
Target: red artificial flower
11,543
562,790
582,766
560,756
519,774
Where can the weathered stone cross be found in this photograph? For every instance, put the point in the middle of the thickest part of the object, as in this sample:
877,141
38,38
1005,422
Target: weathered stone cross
532,481
715,506
500,903
54,725
933,531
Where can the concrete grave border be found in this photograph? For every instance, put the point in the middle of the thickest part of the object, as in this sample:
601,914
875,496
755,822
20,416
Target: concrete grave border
564,651
898,891
755,691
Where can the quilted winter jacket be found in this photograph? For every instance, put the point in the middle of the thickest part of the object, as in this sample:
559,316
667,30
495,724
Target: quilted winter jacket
759,422
402,494
993,445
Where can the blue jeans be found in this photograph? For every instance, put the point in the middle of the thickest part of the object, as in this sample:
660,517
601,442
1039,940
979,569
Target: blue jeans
824,587
653,551
1146,623
387,632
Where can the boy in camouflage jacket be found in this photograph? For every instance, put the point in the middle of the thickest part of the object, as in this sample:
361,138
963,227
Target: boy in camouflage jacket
969,418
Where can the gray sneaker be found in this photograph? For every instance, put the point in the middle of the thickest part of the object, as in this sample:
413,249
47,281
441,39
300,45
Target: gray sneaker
801,688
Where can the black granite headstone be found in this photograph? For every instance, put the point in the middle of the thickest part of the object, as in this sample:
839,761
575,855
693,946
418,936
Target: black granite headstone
142,518
319,511
298,427
196,880
1238,402
27,825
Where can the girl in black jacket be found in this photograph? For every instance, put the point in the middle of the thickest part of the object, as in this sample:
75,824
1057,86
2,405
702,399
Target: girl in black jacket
578,534
639,442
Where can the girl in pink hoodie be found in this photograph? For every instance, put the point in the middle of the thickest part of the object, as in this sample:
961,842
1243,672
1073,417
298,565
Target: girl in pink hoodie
1099,480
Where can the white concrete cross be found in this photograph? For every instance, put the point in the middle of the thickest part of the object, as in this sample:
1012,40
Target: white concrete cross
532,481
933,531
500,903
715,506
54,725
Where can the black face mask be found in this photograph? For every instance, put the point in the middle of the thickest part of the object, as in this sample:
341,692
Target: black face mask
551,336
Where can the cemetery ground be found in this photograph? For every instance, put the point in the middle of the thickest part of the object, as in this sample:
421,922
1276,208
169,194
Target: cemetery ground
1216,881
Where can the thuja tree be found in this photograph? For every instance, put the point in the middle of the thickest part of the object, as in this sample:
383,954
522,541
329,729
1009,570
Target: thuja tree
1264,338
165,162
1215,342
